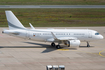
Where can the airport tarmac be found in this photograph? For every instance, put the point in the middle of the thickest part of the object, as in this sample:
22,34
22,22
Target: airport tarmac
22,54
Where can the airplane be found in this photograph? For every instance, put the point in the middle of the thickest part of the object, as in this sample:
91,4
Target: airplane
68,37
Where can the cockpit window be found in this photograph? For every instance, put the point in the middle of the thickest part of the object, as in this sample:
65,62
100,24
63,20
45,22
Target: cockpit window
96,33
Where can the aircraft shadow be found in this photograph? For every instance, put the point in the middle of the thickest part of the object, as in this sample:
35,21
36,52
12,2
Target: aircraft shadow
48,47
19,47
85,46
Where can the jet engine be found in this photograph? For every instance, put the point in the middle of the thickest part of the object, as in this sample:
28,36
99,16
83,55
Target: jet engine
73,43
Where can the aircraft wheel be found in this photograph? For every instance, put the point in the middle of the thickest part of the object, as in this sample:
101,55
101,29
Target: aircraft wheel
58,47
88,44
53,44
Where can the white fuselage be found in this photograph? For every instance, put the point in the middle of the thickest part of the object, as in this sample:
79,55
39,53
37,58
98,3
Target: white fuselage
83,35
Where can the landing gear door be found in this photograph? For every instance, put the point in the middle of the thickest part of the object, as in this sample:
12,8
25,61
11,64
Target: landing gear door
89,34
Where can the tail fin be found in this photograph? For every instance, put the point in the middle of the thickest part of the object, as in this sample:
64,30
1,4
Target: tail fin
13,22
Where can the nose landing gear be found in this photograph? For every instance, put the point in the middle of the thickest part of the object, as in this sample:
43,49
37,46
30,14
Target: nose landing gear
88,44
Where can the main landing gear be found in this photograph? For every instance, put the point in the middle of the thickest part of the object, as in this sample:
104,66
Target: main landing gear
88,44
53,44
57,46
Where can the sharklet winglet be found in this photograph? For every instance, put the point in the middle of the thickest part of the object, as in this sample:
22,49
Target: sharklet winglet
31,26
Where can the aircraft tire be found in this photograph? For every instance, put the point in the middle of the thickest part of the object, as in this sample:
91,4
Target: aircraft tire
58,47
53,44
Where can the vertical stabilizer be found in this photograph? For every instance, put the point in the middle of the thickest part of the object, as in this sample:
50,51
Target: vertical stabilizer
13,22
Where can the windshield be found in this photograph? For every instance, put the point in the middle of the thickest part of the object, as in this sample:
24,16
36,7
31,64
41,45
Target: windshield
96,33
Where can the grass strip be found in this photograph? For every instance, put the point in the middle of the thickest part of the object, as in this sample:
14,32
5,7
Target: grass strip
57,17
52,2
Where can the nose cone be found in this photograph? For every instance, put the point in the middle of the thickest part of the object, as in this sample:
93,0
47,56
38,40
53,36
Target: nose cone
101,37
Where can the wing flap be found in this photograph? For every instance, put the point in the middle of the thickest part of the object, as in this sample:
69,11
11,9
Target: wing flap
66,38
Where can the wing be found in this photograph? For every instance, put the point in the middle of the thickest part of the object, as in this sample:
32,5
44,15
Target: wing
69,41
58,39
63,38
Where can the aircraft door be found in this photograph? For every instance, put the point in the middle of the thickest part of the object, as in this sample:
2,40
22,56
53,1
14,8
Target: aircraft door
27,34
89,34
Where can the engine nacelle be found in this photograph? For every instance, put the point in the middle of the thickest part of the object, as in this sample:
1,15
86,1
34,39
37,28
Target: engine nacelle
73,43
